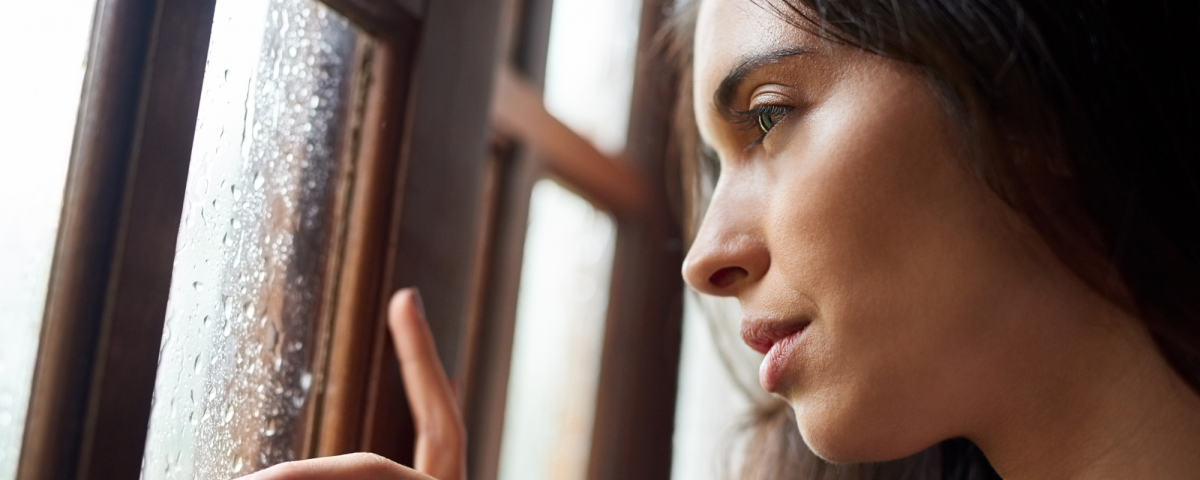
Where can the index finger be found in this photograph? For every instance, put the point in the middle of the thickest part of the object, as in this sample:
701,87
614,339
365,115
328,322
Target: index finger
441,438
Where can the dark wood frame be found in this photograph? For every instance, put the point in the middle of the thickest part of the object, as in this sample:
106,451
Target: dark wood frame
98,355
636,400
360,288
635,405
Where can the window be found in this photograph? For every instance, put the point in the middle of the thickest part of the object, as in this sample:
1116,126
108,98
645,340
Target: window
283,242
568,254
248,182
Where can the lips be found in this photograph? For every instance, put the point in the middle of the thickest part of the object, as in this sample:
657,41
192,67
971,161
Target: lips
776,339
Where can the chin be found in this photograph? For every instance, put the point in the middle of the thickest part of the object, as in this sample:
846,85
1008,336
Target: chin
840,436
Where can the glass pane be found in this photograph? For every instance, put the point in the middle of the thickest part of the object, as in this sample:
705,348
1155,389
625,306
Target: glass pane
558,337
260,221
568,251
589,68
718,384
43,48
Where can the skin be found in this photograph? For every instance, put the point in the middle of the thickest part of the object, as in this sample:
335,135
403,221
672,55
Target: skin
933,310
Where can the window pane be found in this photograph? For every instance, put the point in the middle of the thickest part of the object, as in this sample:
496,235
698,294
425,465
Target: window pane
718,385
589,68
558,337
256,240
38,105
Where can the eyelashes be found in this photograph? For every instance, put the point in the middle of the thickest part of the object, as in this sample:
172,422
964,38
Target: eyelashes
764,118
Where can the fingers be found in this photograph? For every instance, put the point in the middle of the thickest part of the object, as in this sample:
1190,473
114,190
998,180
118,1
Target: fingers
355,466
441,437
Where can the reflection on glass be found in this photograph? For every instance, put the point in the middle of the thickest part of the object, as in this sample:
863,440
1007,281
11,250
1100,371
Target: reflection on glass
235,374
38,103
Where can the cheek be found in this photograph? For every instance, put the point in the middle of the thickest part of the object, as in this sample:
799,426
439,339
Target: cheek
879,224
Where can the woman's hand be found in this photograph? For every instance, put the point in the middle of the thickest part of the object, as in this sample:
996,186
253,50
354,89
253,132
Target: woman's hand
441,437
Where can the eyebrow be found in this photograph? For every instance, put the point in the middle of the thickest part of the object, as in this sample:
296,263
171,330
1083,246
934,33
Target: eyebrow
723,97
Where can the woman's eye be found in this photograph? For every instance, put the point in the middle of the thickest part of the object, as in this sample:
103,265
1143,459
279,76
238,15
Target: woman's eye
769,116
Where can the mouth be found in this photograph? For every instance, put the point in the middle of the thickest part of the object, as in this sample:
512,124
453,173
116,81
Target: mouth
777,340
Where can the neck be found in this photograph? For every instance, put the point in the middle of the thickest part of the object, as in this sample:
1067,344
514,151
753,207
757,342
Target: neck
1117,411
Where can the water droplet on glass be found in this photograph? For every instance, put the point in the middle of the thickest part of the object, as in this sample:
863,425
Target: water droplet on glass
198,286
226,240
259,180
298,400
238,465
228,413
269,430
305,381
197,365
237,194
272,333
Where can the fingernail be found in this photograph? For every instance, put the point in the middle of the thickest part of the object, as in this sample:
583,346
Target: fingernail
417,300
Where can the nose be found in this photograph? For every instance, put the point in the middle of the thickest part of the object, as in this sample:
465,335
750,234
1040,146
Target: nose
729,253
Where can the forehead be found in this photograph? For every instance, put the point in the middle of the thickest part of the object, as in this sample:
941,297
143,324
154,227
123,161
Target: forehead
728,31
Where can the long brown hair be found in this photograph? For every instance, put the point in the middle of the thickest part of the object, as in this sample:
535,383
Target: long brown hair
1083,115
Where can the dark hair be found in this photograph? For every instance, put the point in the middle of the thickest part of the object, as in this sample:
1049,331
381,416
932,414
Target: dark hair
1083,115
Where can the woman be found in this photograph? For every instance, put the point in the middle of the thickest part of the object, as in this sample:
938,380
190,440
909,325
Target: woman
952,224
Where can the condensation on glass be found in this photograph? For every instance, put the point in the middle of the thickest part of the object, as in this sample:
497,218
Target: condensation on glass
258,236
39,101
569,246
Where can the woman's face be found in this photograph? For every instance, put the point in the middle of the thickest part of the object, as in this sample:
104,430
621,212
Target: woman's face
897,298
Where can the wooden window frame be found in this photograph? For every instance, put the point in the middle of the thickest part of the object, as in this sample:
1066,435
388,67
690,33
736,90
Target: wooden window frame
635,405
97,360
